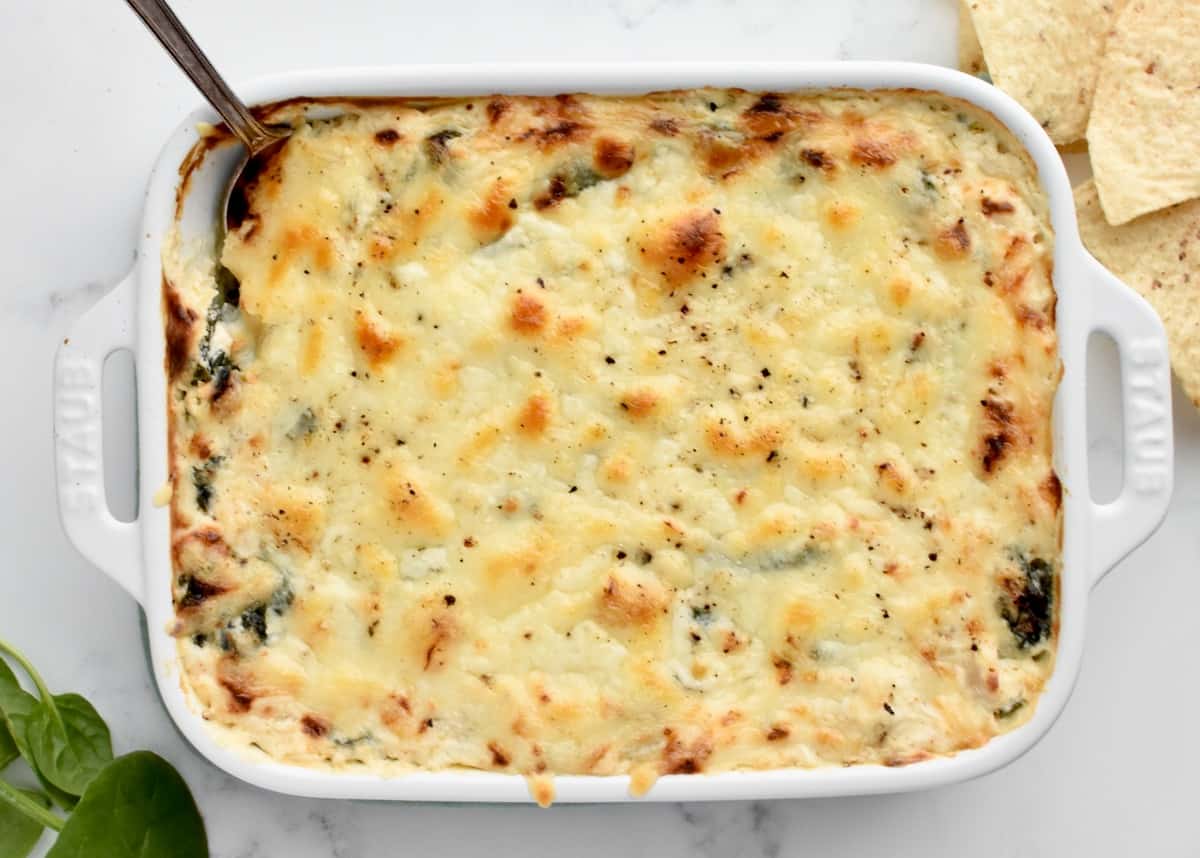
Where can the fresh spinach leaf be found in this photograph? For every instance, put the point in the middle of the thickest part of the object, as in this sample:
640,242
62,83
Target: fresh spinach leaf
8,746
16,708
69,741
63,799
20,830
19,709
10,688
137,807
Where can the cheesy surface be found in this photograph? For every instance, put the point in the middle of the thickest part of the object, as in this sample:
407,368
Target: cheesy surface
690,432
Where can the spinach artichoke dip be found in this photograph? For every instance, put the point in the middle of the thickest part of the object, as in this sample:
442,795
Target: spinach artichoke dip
679,433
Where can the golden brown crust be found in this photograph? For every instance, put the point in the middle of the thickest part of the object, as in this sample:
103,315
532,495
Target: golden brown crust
180,324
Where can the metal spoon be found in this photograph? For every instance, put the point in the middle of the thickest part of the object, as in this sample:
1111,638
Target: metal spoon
261,141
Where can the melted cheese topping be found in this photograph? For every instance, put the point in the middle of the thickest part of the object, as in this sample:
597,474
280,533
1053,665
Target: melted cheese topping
689,432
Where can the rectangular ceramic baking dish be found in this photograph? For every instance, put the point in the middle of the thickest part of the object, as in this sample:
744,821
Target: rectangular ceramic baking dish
136,554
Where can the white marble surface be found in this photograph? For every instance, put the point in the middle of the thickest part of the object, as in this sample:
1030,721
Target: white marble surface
88,97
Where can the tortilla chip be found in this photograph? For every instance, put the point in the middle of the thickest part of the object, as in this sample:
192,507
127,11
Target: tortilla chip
1045,54
1144,134
970,54
1159,256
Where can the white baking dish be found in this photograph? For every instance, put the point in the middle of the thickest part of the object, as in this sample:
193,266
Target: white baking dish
1090,299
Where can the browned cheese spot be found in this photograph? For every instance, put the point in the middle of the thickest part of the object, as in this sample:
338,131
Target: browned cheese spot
301,244
768,102
1051,489
413,508
872,152
208,538
768,119
665,126
1028,317
953,242
723,152
991,207
400,231
890,476
527,314
1000,434
594,758
563,122
534,416
438,637
685,247
631,603
783,669
818,159
199,446
899,290
239,698
612,158
312,352
1017,266
493,217
771,117
314,726
387,137
496,108
841,214
523,563
294,520
679,758
241,691
639,403
500,757
396,712
725,439
375,341
570,327
617,468
907,759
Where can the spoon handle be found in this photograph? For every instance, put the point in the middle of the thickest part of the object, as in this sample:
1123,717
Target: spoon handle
161,21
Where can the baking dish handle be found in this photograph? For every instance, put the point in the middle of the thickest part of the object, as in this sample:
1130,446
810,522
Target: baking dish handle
1118,527
112,545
